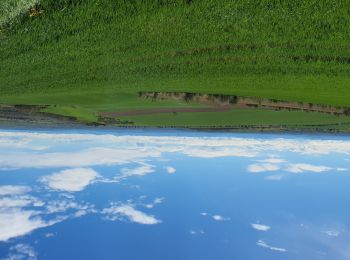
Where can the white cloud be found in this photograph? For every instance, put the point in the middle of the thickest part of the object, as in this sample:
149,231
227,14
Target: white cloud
17,222
139,171
120,211
262,167
260,227
303,167
13,189
107,149
16,143
59,206
158,200
71,180
276,177
331,233
220,218
80,213
215,217
262,243
155,202
19,201
197,232
16,219
21,251
273,160
213,152
299,145
82,158
342,169
170,169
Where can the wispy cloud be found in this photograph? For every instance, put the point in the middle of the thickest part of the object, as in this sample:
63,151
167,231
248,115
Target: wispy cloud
155,202
303,167
170,169
17,222
215,217
220,218
108,149
49,234
82,158
20,201
263,244
213,152
275,177
177,143
261,227
13,189
119,211
197,232
63,206
342,169
21,251
139,171
273,160
254,168
14,218
22,214
331,233
275,164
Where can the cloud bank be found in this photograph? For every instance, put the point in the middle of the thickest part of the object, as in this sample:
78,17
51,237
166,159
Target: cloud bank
107,149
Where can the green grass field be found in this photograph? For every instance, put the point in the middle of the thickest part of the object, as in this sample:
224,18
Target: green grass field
245,118
83,57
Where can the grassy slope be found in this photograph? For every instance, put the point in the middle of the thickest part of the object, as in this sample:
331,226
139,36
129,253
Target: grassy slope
83,54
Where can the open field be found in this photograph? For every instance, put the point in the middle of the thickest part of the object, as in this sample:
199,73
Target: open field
87,57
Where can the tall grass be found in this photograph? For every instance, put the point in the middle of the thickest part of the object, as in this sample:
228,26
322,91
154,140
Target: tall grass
294,50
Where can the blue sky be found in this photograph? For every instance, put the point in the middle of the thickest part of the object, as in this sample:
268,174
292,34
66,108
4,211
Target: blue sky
239,195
